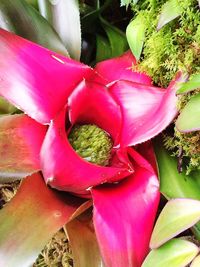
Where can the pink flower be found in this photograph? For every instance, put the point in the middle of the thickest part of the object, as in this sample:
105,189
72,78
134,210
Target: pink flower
56,93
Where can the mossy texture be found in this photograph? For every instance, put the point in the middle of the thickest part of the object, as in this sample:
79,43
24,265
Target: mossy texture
56,253
175,47
91,143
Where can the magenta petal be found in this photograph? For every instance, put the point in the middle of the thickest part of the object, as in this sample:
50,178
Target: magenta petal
146,110
20,142
124,214
92,103
35,79
120,68
65,170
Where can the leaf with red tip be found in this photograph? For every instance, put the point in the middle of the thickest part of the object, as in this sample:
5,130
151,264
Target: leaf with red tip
170,10
121,213
177,216
191,111
35,79
65,170
30,219
21,140
120,68
175,253
146,110
85,250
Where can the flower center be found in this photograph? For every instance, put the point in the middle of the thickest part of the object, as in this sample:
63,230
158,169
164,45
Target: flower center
91,143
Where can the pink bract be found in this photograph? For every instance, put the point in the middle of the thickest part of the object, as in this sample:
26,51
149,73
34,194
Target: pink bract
61,92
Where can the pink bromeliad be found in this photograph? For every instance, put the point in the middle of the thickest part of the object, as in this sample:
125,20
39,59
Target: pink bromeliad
56,94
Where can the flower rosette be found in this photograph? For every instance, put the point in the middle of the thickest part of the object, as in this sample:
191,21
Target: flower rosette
60,96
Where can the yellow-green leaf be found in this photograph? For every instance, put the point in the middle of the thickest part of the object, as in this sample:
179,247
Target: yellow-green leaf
175,253
177,216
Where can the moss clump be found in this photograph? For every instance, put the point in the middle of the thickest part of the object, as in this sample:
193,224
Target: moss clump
56,253
91,143
175,47
187,143
7,192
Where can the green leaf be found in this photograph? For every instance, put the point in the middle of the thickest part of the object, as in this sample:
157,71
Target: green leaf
135,34
85,250
177,216
191,85
34,3
64,16
90,20
117,39
24,20
172,183
103,50
175,253
189,118
30,219
196,262
170,10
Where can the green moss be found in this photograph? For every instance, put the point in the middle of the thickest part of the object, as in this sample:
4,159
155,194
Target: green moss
188,143
91,143
175,47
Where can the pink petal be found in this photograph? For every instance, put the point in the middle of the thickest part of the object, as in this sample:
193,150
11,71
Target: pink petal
35,79
120,68
146,151
124,214
65,170
21,139
146,110
92,103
